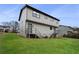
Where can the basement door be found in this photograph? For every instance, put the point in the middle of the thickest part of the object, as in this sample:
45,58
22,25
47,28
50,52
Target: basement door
29,28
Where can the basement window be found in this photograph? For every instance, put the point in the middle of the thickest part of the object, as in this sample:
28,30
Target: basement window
50,27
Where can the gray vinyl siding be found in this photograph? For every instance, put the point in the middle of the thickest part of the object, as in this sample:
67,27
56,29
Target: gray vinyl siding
42,19
42,29
22,23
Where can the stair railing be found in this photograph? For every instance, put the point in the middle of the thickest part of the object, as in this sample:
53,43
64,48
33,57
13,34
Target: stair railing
37,32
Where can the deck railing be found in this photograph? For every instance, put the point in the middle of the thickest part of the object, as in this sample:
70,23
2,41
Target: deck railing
37,32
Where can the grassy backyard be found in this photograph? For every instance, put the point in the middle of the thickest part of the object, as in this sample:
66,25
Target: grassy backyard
12,43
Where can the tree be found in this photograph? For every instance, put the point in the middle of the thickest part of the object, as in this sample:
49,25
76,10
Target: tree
6,23
13,25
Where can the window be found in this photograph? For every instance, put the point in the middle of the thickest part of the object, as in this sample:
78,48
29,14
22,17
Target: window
35,14
50,27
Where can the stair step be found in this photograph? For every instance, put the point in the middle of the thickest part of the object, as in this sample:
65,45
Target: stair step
32,36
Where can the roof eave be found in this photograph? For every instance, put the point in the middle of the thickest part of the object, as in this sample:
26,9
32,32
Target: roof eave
36,10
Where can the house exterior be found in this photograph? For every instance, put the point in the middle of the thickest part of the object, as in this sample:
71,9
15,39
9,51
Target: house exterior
35,23
64,30
4,28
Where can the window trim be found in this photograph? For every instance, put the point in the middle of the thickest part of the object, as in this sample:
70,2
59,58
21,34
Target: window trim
35,14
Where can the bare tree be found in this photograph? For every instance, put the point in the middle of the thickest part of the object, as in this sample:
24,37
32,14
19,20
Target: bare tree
13,25
6,23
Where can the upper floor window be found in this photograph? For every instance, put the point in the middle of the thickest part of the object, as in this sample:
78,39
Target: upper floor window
35,14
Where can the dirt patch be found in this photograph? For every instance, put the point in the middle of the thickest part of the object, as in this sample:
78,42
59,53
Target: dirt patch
1,33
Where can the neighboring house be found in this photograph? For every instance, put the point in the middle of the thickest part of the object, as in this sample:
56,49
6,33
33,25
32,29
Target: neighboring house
64,30
35,23
1,28
4,28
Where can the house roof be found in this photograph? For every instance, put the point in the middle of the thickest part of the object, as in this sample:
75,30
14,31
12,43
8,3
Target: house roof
65,26
4,26
37,11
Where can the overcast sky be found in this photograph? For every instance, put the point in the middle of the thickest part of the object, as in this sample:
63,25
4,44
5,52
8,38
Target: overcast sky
67,13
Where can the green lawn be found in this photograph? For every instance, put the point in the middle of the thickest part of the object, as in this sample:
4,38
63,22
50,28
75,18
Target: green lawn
12,43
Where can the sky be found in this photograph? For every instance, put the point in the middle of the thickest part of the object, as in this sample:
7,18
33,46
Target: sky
9,12
68,14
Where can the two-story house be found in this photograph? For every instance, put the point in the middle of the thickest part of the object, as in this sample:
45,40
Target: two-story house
35,23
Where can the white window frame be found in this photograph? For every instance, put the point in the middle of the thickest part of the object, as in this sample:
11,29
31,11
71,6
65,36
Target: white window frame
35,14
